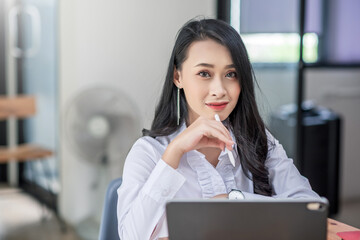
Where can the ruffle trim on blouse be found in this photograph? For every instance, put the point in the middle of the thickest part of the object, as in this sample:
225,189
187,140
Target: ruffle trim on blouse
227,170
211,182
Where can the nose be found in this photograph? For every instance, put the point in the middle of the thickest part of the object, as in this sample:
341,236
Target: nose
217,88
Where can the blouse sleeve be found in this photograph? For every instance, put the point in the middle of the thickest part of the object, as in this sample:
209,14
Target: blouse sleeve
284,177
147,185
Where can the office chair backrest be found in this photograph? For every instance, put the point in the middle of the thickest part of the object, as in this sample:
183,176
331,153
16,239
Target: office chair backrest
109,224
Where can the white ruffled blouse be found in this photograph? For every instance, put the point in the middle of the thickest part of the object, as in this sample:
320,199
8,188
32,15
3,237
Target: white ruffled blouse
148,183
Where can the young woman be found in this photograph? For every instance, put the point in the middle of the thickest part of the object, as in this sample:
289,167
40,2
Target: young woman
183,156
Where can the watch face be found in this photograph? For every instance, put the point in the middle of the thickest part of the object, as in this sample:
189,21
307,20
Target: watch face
236,194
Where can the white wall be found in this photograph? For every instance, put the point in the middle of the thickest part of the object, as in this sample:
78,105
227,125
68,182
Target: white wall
126,44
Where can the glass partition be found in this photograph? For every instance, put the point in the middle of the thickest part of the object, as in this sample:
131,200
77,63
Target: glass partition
273,46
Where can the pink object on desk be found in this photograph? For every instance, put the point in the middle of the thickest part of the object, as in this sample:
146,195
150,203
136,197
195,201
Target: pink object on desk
350,235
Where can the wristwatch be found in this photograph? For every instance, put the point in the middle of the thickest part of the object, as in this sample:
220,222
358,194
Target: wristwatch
236,194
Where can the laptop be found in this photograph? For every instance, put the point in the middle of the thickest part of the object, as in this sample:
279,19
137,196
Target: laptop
259,219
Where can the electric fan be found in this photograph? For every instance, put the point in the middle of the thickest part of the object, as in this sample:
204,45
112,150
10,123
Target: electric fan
101,124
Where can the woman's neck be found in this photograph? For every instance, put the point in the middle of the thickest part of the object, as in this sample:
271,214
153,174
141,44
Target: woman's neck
211,154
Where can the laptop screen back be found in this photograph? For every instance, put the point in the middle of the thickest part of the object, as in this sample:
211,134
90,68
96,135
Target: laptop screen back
219,219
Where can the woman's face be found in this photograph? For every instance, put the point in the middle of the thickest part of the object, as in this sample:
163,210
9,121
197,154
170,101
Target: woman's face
209,80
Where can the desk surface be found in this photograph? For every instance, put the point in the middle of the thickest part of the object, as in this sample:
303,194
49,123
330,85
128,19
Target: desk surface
335,227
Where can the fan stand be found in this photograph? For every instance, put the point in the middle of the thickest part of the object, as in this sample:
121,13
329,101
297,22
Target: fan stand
90,226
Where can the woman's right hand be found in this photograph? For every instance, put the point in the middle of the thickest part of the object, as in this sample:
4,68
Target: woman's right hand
201,133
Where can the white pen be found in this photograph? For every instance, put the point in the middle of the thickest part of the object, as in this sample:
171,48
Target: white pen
231,157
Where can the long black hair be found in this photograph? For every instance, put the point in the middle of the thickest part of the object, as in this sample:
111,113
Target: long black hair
245,121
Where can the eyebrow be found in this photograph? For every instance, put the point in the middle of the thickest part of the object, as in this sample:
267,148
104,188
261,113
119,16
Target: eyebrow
212,66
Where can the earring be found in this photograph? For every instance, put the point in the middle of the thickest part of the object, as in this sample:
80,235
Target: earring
178,106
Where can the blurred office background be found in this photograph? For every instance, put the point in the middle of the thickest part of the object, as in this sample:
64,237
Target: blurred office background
80,60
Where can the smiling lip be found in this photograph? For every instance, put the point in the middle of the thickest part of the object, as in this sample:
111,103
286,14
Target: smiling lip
217,105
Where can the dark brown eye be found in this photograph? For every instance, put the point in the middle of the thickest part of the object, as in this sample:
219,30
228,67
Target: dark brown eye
204,74
231,75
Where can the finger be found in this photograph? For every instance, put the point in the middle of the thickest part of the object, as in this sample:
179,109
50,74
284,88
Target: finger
214,124
221,128
230,147
212,142
216,133
228,139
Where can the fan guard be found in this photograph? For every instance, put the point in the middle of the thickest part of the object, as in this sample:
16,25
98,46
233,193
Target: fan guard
101,124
